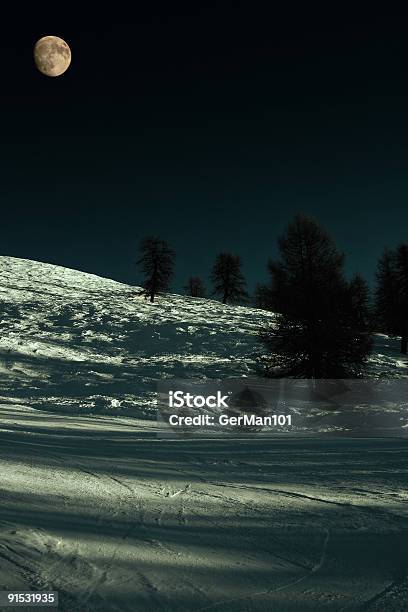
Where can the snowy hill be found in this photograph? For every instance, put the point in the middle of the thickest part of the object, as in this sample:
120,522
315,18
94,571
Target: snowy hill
75,341
118,519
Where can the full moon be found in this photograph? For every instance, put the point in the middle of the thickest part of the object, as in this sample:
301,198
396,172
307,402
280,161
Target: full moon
52,55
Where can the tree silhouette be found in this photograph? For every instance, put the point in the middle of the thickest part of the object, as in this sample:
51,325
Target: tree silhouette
317,332
262,297
228,280
401,269
157,263
391,306
195,287
386,294
360,303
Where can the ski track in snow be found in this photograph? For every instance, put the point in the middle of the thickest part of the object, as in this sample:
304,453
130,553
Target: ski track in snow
94,505
314,569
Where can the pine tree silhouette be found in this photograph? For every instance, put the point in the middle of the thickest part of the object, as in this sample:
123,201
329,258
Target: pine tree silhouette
386,306
401,269
195,287
392,294
360,303
317,333
157,263
263,297
228,280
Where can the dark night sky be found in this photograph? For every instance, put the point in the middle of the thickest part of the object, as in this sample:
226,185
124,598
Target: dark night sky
210,126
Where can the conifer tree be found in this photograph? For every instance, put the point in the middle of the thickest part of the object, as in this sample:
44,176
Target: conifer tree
360,303
316,334
228,280
157,263
401,270
262,297
386,294
392,294
195,287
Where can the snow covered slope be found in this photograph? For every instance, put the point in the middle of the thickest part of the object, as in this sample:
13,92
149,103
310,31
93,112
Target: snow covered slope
94,505
75,341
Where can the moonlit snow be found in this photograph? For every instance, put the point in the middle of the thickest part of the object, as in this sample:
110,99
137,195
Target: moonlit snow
99,508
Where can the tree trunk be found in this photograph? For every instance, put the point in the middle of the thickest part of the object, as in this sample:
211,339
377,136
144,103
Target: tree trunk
152,297
404,344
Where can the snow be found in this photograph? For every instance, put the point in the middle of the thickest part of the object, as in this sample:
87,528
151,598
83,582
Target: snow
77,329
98,507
